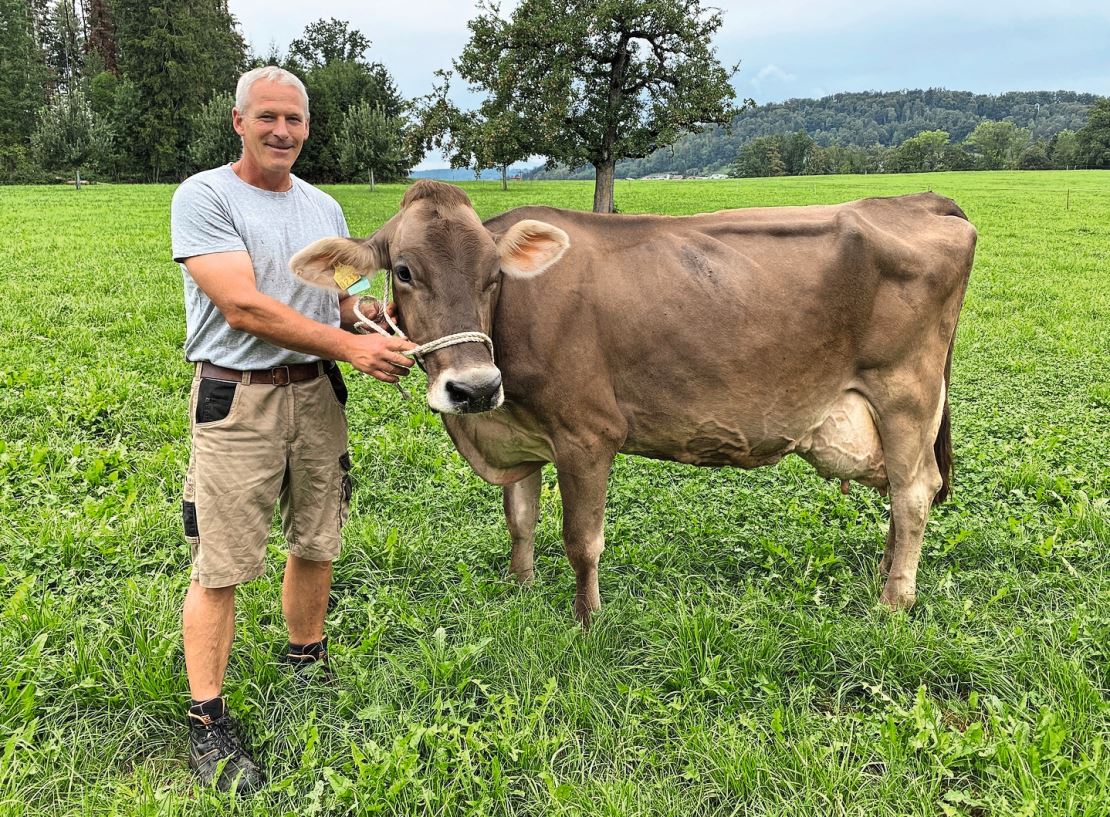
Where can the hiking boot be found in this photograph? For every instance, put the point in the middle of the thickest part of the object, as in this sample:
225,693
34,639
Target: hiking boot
310,662
215,753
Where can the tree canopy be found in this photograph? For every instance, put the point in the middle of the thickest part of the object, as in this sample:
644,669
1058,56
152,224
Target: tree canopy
1094,137
152,84
328,41
596,81
368,142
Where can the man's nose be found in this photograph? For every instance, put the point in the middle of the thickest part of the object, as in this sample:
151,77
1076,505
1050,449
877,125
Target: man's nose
281,127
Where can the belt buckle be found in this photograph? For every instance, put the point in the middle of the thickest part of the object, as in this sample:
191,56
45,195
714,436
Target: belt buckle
280,376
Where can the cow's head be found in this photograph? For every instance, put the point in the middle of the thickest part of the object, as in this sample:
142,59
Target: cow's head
447,270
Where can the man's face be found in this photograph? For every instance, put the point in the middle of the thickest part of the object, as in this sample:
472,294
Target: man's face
273,125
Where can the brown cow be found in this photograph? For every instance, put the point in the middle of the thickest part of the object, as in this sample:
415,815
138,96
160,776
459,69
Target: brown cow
730,338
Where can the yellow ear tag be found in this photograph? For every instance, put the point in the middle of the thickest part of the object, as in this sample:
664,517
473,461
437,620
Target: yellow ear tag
345,275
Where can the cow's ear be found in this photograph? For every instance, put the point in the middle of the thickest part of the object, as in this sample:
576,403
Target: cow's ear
529,247
316,263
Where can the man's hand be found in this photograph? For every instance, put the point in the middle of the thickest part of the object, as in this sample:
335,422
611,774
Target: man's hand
380,356
371,309
390,308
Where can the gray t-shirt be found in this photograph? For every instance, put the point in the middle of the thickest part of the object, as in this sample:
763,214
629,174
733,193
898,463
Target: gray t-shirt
216,211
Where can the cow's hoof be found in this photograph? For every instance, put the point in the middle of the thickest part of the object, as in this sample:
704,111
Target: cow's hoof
896,598
584,613
522,577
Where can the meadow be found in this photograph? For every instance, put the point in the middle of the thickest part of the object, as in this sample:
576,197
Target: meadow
740,666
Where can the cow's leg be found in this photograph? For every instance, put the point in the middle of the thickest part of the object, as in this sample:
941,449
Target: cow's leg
888,551
914,481
583,480
522,510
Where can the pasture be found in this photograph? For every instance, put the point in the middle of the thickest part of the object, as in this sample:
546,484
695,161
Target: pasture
740,665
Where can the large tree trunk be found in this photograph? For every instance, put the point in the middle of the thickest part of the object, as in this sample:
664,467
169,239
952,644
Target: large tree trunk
603,186
504,177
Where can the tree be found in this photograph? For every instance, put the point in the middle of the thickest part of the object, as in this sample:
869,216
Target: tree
101,48
22,75
63,44
760,157
1094,137
490,137
370,141
69,135
802,155
103,88
1034,157
923,153
329,59
853,159
997,144
326,41
173,57
1063,150
596,81
496,139
213,141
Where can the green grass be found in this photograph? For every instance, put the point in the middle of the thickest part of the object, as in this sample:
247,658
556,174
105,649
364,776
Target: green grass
740,665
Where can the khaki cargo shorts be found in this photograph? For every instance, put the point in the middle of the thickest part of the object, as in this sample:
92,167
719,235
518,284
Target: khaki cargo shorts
255,445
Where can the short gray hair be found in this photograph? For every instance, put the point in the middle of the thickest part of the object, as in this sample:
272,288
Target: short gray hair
273,74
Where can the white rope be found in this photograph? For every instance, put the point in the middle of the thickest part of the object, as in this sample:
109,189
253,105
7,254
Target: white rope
423,349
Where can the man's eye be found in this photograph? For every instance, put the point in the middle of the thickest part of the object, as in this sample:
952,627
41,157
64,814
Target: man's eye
403,274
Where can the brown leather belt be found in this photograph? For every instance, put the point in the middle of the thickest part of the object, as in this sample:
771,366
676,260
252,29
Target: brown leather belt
280,376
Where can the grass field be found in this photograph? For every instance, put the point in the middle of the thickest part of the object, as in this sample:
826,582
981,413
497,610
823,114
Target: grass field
740,665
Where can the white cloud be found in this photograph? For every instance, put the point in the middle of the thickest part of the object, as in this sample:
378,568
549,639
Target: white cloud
772,71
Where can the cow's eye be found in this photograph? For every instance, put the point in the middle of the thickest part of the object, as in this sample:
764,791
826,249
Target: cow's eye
403,274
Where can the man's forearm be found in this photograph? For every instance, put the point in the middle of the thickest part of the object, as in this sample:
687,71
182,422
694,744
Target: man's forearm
281,325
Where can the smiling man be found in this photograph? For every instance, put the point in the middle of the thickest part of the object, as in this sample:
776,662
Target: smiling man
267,406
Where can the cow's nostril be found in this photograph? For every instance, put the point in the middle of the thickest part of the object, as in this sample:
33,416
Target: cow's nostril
459,392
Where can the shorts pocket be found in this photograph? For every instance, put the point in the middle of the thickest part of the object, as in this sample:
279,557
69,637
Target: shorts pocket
346,488
189,520
338,386
214,400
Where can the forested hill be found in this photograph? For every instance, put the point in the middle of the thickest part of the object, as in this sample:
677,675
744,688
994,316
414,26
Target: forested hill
862,119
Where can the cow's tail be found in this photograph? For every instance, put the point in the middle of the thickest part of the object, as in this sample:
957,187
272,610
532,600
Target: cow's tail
942,446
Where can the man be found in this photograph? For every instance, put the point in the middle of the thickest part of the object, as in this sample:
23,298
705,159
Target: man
266,411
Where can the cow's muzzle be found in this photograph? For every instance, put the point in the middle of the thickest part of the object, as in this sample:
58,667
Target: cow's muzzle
466,391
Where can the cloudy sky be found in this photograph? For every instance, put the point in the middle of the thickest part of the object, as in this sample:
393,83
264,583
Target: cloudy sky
786,48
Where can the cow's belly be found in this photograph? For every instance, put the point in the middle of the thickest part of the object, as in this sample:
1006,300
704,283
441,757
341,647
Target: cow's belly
842,443
712,442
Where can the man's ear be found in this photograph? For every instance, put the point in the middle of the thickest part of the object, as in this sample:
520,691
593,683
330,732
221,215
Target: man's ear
316,264
529,247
